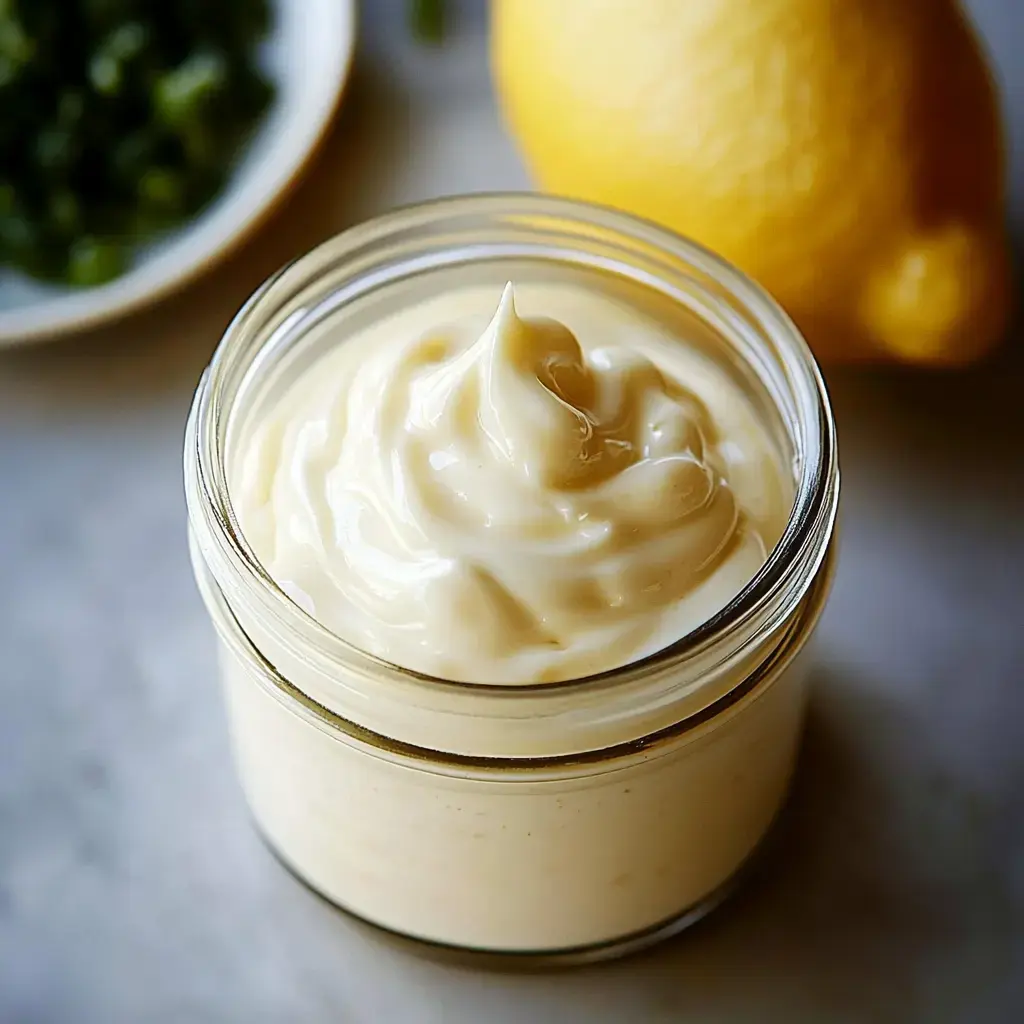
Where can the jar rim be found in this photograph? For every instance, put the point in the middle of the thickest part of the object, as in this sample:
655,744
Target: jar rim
804,541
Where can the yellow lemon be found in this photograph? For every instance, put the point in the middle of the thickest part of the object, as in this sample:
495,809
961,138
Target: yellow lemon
846,153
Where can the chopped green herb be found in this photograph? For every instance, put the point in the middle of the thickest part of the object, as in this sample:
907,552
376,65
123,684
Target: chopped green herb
427,18
93,262
119,119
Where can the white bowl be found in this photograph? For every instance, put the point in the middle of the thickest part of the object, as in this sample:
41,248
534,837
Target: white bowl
308,57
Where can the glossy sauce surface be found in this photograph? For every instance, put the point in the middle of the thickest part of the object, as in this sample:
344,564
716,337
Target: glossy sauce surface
511,497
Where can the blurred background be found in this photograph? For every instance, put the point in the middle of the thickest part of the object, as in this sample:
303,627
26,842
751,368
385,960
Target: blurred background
132,887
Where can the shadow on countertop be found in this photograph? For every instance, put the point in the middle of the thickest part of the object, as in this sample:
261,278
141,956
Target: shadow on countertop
883,890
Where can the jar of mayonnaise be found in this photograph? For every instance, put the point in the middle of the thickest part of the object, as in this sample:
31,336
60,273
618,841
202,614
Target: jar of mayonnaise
513,516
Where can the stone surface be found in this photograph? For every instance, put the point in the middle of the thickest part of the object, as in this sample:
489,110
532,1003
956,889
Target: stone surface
131,885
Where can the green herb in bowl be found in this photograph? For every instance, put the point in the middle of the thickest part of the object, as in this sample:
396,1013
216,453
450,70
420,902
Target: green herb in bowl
119,120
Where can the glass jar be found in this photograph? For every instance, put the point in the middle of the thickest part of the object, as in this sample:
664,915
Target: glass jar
576,819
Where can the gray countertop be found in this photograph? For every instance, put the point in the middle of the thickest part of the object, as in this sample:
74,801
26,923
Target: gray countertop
132,887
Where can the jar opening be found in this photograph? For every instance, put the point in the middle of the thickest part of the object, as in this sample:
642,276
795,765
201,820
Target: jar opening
410,249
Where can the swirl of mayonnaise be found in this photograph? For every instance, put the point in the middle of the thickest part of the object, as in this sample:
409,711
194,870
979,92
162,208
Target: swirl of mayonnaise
515,509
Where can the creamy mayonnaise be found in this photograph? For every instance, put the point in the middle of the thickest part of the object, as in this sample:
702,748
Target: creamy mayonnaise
512,501
554,488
